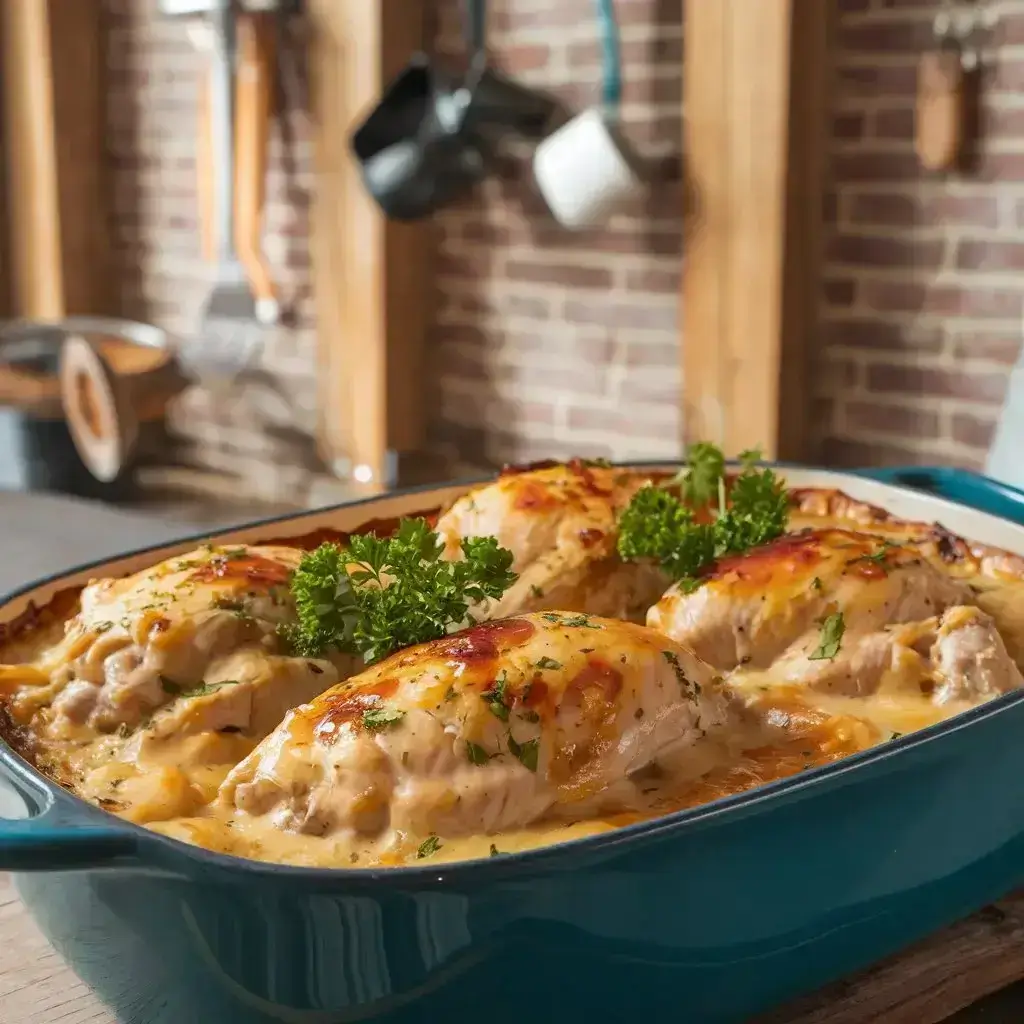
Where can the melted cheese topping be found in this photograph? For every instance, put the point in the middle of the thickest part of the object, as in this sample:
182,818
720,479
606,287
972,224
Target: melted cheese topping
170,786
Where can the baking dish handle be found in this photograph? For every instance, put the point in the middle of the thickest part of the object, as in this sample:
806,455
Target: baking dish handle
44,831
963,486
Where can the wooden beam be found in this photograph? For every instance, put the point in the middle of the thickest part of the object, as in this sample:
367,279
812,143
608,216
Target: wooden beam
76,42
371,280
30,152
53,137
754,84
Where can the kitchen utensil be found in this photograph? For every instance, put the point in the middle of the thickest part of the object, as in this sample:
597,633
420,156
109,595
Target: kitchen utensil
430,138
585,170
231,334
719,911
947,114
38,450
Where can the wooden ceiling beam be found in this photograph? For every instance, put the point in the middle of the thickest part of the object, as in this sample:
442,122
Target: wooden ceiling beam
754,129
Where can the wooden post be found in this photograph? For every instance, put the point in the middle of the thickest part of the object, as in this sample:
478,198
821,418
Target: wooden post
754,137
370,275
53,146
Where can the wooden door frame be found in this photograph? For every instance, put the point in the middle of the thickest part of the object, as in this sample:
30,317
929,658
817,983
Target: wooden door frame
754,129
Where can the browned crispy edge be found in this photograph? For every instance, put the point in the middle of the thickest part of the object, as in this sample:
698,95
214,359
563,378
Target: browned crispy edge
966,556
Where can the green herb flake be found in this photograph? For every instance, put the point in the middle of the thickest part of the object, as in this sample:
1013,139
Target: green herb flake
207,688
546,662
831,638
429,846
816,583
476,753
495,698
527,752
376,719
449,694
170,686
535,590
571,621
494,850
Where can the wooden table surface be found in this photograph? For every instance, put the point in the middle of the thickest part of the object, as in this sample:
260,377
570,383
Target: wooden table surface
930,983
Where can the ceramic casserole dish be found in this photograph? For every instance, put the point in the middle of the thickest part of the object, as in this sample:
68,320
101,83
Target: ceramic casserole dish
710,914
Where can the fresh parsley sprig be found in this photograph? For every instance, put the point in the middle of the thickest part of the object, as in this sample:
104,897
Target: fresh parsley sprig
753,510
379,594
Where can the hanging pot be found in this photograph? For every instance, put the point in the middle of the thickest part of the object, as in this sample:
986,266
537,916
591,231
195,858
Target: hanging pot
585,170
431,137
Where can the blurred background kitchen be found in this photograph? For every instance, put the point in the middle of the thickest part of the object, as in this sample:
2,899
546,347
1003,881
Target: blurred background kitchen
815,246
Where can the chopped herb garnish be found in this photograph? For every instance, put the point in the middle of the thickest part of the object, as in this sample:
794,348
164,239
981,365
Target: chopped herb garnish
449,694
572,621
831,638
547,662
526,752
494,850
816,583
429,845
376,719
102,627
658,526
380,594
207,688
495,698
535,590
170,686
476,753
529,716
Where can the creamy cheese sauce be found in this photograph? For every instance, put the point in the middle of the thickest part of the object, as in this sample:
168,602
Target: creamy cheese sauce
171,786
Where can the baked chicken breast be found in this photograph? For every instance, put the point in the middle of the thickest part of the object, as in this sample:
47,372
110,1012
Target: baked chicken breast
750,608
560,524
196,632
485,730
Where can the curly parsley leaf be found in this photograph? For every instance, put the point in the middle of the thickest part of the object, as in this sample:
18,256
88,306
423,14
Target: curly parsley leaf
753,510
380,594
698,480
831,639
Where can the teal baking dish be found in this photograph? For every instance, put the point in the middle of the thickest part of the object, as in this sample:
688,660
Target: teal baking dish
710,915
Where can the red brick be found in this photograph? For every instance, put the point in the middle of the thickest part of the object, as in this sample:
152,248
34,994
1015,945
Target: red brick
973,254
883,37
884,251
972,431
848,125
894,123
622,315
529,57
883,208
564,275
919,380
884,166
847,453
873,418
838,291
651,280
877,334
969,210
893,296
963,299
996,347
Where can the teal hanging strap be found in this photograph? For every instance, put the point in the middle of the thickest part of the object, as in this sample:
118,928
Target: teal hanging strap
611,62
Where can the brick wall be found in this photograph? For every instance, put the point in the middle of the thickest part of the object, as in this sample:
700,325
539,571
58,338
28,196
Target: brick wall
923,293
549,343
